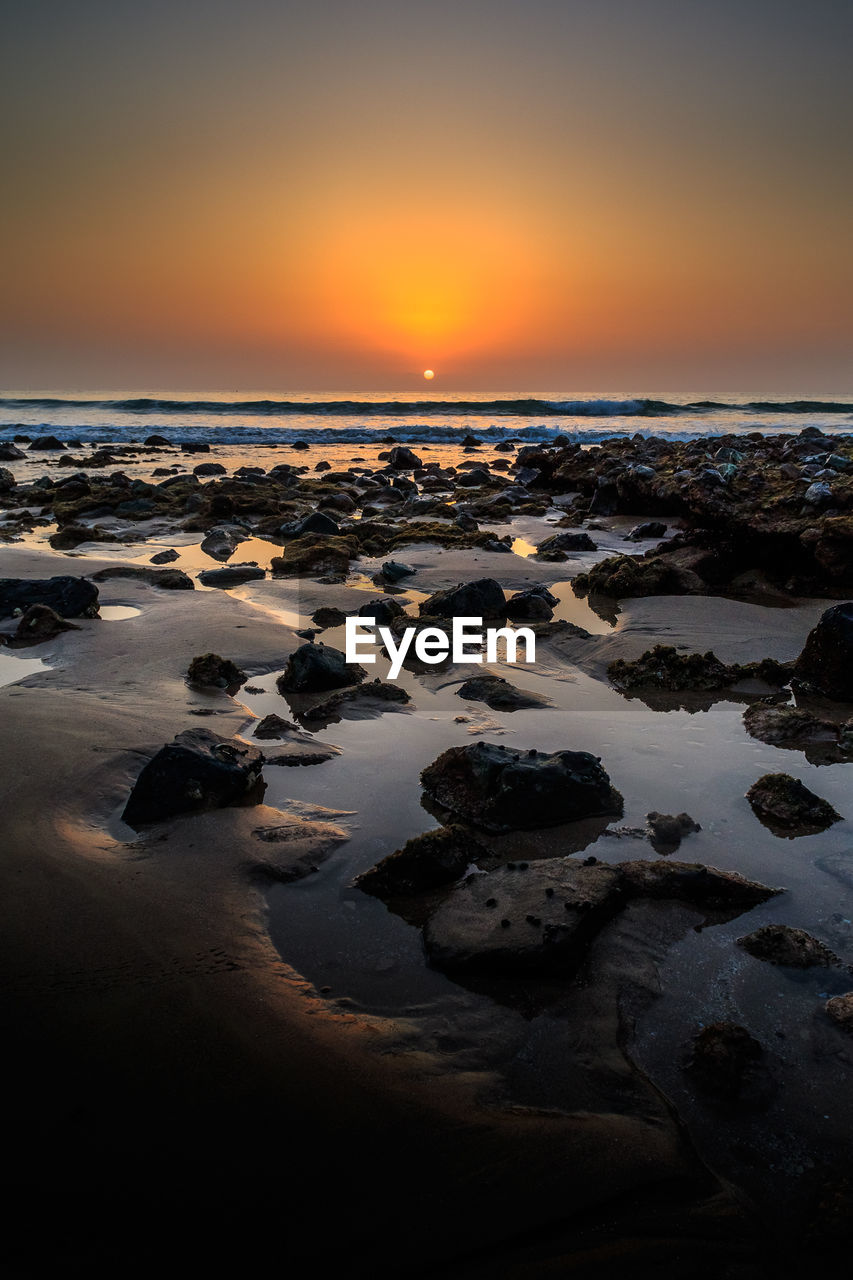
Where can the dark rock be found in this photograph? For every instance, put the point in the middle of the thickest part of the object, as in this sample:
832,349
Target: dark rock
156,441
533,604
7,480
651,529
328,616
166,579
10,452
783,802
315,554
840,1009
384,610
826,662
394,570
424,862
559,545
273,726
46,442
668,830
502,789
221,543
38,623
194,446
694,883
788,726
663,667
499,694
724,1060
164,557
631,576
403,459
483,598
318,666
69,597
231,575
376,691
300,444
781,944
199,770
210,469
210,669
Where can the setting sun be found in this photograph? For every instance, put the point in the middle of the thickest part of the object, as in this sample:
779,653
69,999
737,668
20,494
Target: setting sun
429,375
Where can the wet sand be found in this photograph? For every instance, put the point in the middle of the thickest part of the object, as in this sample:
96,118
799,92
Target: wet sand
272,1067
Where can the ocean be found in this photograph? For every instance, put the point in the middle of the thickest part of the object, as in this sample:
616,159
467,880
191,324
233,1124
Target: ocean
244,418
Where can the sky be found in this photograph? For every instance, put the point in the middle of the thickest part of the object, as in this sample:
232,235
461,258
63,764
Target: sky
566,195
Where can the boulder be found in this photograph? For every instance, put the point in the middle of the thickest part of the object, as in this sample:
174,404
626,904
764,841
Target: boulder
425,862
533,604
317,666
273,726
164,557
316,522
840,1010
376,691
328,616
403,459
221,543
69,597
38,623
782,726
231,575
826,662
156,441
199,770
384,610
667,830
499,694
784,802
503,789
7,480
165,579
46,442
694,883
221,673
781,944
315,553
394,570
651,529
10,452
560,545
483,598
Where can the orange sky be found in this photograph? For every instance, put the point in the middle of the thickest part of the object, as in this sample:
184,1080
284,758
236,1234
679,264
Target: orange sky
554,195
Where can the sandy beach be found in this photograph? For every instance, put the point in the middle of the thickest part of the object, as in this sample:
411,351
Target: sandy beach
224,1047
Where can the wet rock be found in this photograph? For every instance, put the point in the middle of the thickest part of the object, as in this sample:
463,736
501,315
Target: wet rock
210,669
315,554
725,1060
221,543
694,883
199,770
46,442
327,616
502,789
403,459
667,830
164,557
527,930
165,579
376,691
533,604
826,662
483,598
39,622
783,802
273,726
10,452
560,545
155,441
69,597
425,862
787,726
651,529
7,480
663,667
627,576
316,522
499,694
317,666
394,570
384,610
194,446
783,945
840,1009
231,575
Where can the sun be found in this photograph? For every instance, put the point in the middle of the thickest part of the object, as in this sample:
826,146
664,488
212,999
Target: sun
429,375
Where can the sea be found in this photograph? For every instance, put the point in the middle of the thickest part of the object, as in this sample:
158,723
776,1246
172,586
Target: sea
333,418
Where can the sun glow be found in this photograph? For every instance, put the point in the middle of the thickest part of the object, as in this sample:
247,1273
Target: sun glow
429,375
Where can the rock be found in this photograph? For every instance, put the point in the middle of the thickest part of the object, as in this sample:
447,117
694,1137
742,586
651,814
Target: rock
231,575
46,442
7,480
273,726
559,545
156,441
724,1060
384,610
483,598
818,494
376,691
210,469
629,576
499,694
69,597
826,662
651,529
840,1009
503,789
39,622
787,726
316,522
403,459
543,933
221,543
199,770
668,830
694,883
424,862
782,801
164,557
783,945
328,616
663,667
533,604
315,554
394,570
194,446
210,669
165,579
10,452
318,666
